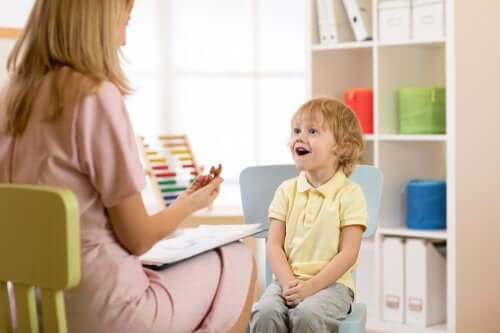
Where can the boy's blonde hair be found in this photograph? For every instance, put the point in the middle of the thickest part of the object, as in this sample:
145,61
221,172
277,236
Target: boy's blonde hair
344,125
77,42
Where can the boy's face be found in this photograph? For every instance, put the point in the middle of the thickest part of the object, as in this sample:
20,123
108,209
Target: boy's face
312,145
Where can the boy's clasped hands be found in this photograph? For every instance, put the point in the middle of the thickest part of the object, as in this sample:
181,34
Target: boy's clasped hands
295,291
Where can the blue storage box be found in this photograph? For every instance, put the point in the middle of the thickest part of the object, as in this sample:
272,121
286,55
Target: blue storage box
426,204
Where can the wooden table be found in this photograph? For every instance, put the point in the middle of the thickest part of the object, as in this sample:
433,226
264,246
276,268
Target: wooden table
215,215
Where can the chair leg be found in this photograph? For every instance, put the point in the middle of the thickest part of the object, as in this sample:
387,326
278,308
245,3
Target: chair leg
27,315
54,315
5,312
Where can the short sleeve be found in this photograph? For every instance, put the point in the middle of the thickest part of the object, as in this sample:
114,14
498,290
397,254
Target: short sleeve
107,147
279,206
353,210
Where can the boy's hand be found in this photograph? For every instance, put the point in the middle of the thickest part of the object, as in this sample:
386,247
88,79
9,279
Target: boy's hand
296,291
290,284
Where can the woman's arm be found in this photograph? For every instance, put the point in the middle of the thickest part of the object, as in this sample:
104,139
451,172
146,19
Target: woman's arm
138,232
276,253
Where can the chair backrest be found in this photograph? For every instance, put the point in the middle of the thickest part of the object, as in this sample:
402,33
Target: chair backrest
257,187
370,179
39,247
258,184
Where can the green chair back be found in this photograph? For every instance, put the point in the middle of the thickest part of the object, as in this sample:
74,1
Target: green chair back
39,247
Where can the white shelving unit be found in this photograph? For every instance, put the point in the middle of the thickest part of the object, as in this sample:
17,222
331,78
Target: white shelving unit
386,67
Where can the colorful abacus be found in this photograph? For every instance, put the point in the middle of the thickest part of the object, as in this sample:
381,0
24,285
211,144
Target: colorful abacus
169,161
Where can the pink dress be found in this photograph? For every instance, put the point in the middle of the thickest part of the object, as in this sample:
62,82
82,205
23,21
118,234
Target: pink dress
91,150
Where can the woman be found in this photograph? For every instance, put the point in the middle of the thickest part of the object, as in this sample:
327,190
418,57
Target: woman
63,123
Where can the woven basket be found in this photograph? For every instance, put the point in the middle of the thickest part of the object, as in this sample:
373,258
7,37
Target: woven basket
422,110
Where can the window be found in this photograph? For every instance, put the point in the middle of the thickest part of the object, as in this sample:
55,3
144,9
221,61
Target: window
143,66
229,73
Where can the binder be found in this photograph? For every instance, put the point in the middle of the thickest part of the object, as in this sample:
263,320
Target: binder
189,242
326,27
333,24
360,17
393,294
425,284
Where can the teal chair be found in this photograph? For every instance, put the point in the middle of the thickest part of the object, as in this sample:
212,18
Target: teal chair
257,186
39,248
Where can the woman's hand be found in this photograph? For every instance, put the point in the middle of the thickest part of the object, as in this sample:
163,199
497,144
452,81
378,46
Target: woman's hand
201,193
296,291
198,183
201,181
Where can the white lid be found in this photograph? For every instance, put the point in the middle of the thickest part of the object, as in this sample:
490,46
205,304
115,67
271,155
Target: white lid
391,4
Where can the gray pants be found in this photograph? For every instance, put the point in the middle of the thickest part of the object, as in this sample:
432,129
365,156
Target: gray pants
318,313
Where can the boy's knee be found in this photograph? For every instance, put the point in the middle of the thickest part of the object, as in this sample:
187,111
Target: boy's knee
267,313
304,319
267,319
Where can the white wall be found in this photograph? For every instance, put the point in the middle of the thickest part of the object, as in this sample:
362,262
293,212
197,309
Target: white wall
14,13
477,73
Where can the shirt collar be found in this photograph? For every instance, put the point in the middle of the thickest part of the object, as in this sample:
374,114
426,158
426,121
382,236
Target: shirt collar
328,189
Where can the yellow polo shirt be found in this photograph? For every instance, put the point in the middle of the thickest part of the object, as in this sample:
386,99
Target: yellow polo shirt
314,217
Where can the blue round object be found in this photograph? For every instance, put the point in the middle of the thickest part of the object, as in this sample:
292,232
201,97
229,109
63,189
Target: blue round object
426,204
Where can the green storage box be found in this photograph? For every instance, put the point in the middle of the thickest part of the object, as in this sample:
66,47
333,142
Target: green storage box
422,110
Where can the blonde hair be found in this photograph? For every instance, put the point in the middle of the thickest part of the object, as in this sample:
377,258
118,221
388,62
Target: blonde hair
344,125
80,35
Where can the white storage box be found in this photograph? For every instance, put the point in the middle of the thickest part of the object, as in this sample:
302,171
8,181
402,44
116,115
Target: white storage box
428,20
394,17
365,283
393,288
425,284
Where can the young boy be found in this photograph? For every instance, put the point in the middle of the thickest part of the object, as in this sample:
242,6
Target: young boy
316,223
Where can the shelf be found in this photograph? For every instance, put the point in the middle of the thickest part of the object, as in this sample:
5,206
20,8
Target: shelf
411,42
370,44
405,232
386,327
342,46
405,137
368,137
386,66
332,71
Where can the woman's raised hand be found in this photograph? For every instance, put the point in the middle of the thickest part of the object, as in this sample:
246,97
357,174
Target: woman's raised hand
202,180
204,189
201,196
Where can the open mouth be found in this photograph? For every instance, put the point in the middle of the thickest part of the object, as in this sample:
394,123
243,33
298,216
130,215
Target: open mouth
301,151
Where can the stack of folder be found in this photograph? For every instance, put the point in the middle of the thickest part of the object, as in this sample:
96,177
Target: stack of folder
344,20
414,282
